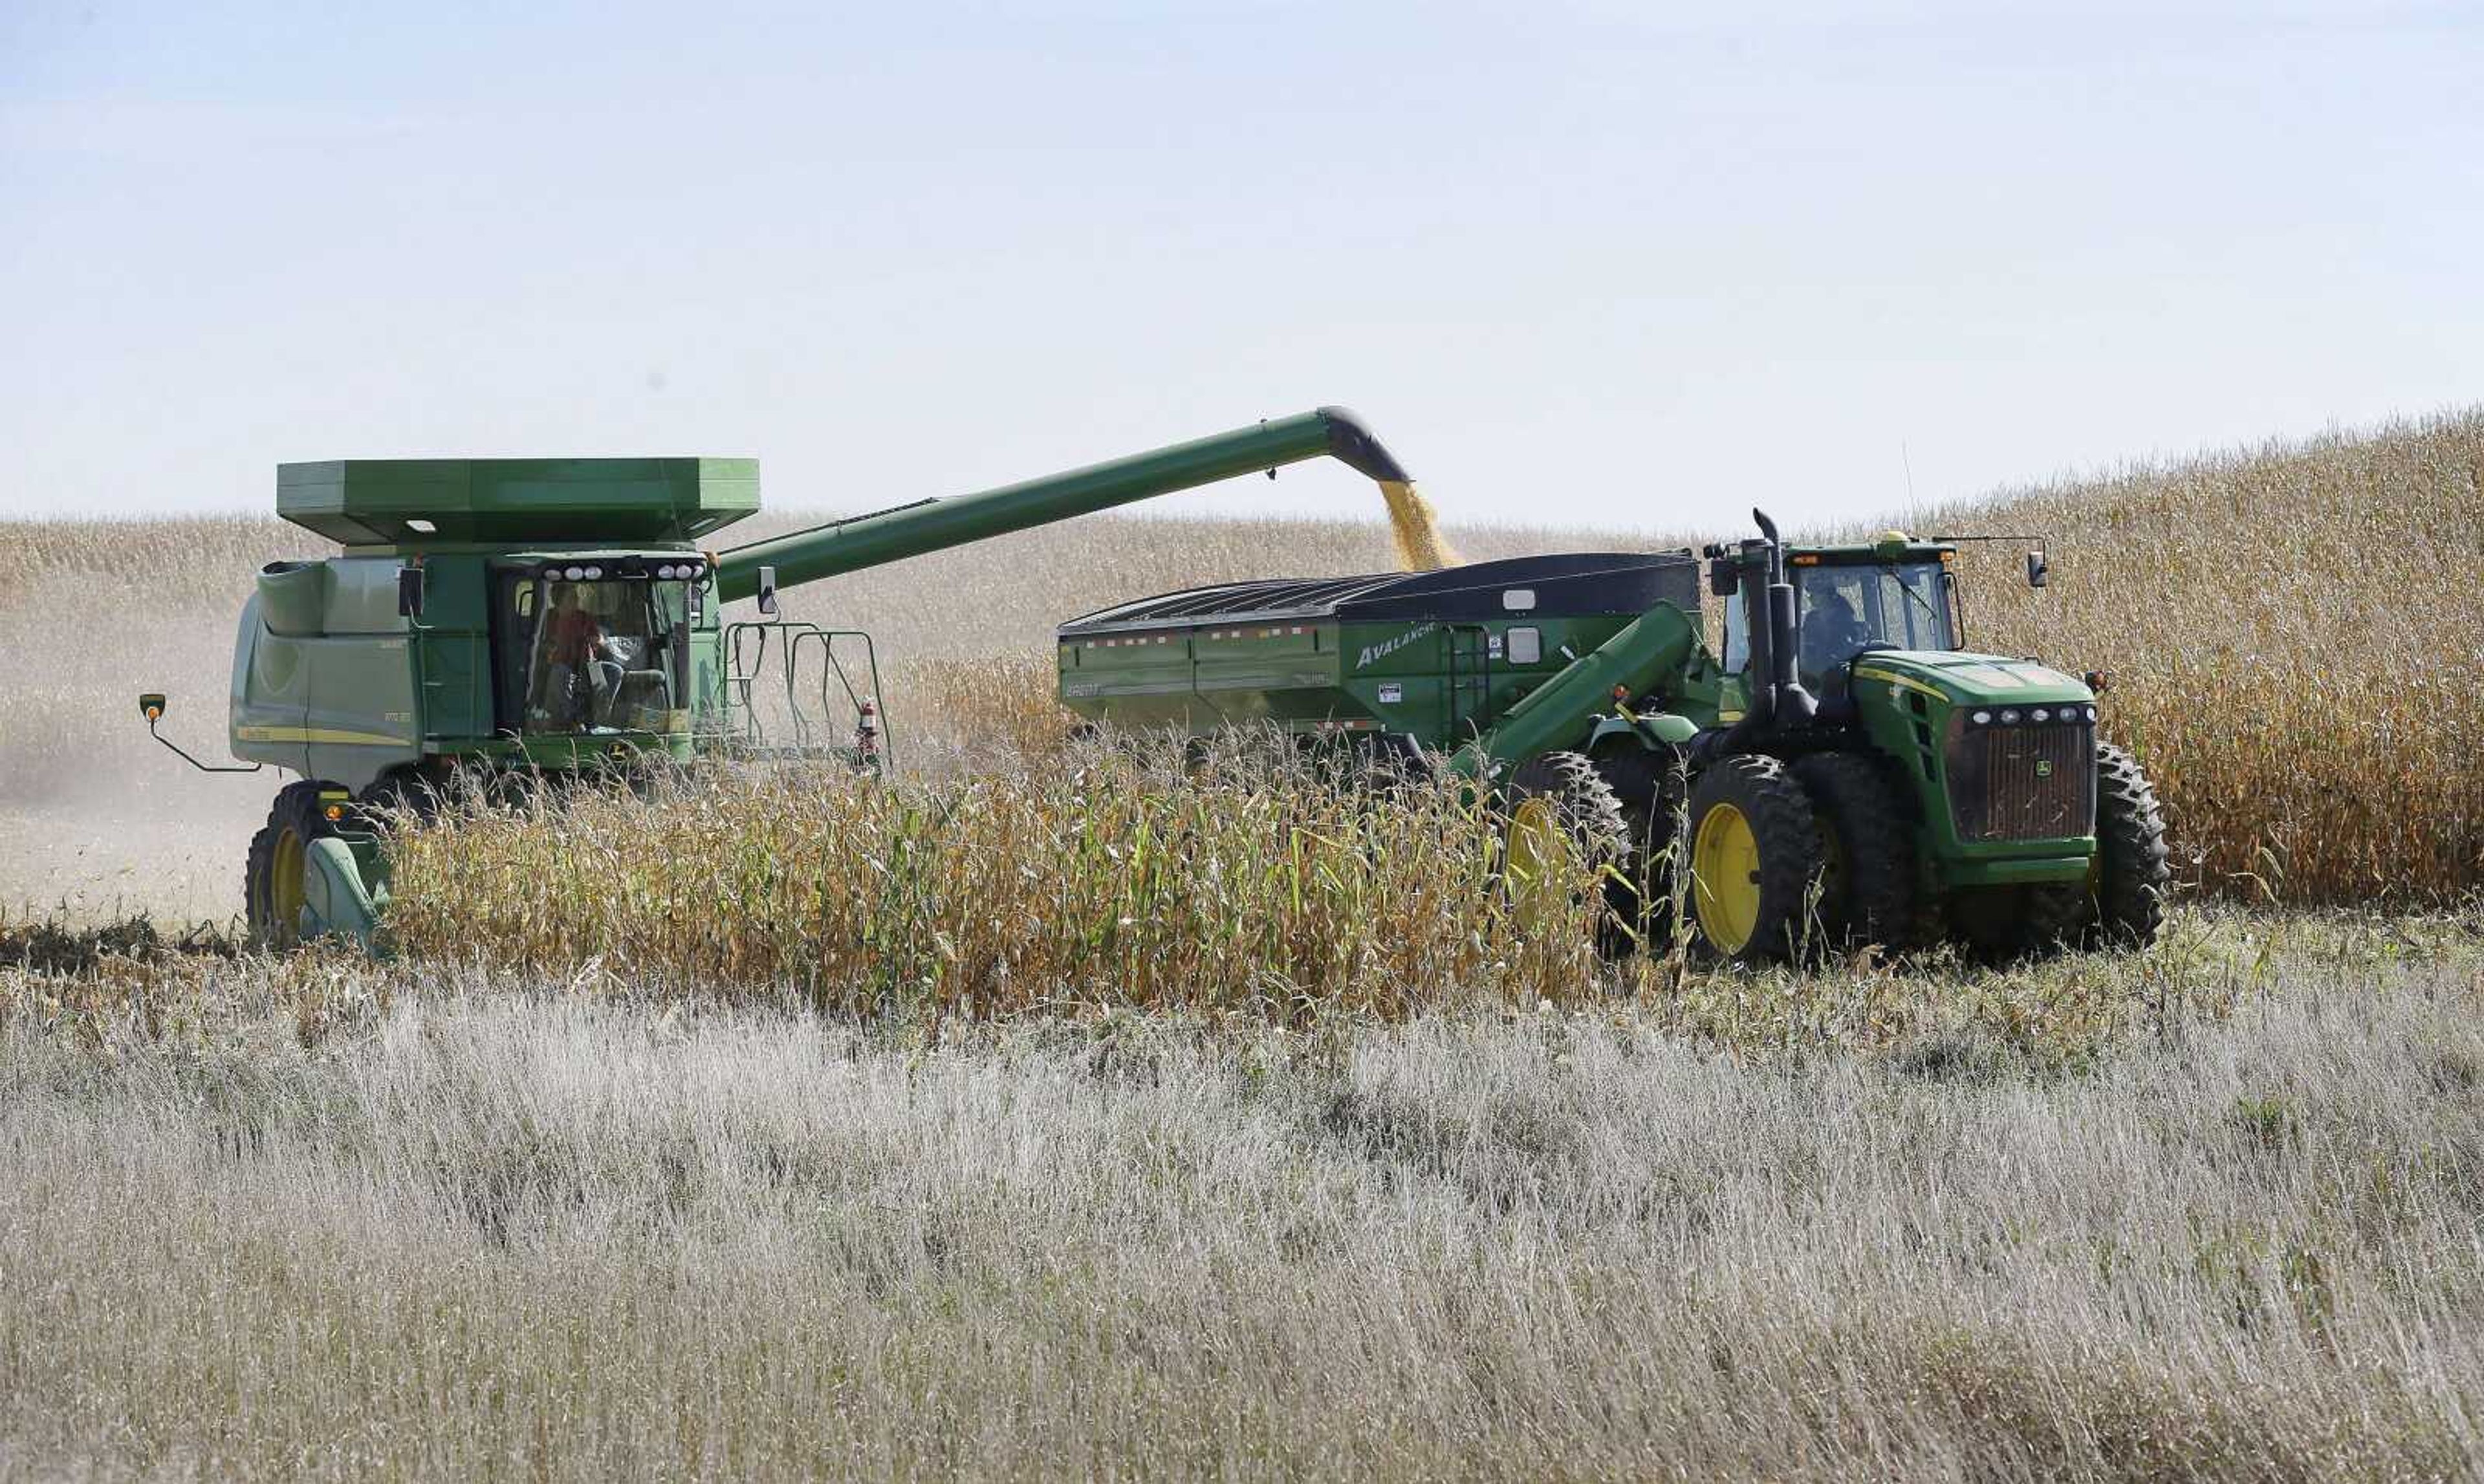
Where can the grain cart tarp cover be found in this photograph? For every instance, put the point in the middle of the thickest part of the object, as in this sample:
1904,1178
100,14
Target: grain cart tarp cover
1431,655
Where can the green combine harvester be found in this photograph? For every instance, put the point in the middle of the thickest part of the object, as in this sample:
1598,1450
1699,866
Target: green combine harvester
1841,771
514,620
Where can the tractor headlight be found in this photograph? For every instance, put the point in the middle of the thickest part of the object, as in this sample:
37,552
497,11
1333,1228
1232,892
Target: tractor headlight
1983,719
2010,716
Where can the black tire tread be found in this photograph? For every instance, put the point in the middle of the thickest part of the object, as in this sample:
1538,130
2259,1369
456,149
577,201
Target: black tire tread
1593,814
2130,836
1876,894
1788,837
296,807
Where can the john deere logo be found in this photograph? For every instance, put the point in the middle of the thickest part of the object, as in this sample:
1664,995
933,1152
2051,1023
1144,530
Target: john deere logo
2043,767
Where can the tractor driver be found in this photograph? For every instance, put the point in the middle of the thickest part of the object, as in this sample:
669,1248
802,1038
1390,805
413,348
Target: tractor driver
577,637
1831,634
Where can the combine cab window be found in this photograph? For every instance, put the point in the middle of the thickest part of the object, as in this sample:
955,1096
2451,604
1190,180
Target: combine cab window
593,657
1845,610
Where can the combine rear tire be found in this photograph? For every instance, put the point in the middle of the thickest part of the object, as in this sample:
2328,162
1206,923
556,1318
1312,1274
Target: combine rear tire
1868,879
1755,859
1562,816
2131,873
279,861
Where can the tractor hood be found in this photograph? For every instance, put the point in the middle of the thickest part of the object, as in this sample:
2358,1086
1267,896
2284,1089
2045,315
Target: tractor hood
1964,679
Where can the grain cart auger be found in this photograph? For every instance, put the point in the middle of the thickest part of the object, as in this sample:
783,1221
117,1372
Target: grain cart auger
1840,770
511,621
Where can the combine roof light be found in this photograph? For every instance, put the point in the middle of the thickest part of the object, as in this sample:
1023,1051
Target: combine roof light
667,571
2091,713
1983,718
2039,714
592,573
2010,716
574,574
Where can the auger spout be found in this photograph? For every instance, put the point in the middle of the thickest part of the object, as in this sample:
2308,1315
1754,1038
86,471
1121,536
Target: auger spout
934,524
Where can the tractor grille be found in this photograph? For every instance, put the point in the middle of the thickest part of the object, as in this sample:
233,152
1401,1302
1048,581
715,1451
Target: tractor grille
2022,782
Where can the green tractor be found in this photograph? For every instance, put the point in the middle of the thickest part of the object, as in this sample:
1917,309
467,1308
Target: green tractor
506,623
1839,770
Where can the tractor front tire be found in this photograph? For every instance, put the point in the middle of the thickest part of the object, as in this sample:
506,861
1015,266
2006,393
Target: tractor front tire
1561,815
1755,860
1869,891
273,879
2132,873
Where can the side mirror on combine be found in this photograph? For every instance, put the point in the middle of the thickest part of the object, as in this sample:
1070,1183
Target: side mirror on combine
1723,576
151,706
2037,570
768,591
409,592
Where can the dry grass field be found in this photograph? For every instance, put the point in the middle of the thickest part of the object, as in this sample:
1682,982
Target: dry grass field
1058,1112
2206,1214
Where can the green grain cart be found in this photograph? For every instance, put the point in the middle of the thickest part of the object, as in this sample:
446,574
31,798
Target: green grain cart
1840,769
512,620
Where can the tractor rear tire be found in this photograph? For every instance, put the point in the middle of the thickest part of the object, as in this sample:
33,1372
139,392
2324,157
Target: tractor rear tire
2132,872
272,877
1755,860
1555,802
1869,887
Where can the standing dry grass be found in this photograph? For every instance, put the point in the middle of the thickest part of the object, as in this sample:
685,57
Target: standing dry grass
314,1219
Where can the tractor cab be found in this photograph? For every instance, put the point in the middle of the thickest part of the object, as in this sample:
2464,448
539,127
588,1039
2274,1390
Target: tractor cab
1895,594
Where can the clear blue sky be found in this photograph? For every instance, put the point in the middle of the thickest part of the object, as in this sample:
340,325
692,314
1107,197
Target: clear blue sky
1601,262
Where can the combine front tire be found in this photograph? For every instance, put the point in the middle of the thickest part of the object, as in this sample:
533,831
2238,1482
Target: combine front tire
2131,875
1561,815
279,862
1755,859
1868,888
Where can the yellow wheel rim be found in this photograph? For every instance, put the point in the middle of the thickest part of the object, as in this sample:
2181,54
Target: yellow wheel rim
1539,851
1725,878
285,896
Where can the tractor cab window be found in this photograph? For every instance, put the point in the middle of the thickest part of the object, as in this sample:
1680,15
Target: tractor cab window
1844,610
594,655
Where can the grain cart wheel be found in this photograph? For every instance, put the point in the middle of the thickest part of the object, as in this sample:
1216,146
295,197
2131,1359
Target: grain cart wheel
1754,859
1869,890
280,860
2129,879
1562,814
1651,788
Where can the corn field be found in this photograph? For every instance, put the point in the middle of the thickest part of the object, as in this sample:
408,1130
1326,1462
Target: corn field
1247,881
2293,634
